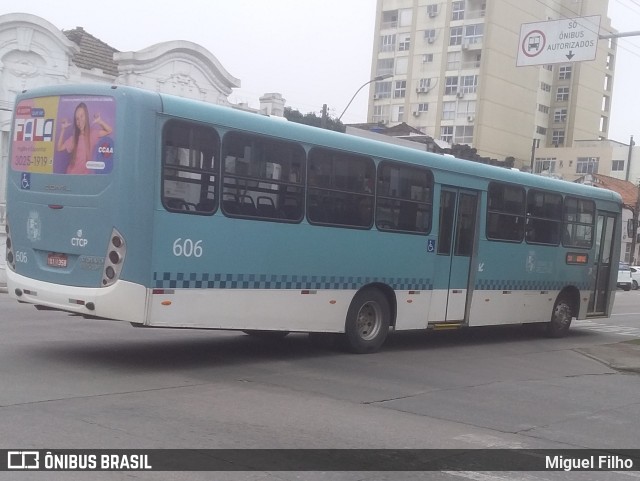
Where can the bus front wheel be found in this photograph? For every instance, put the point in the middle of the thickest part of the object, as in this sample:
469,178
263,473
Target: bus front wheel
367,323
560,318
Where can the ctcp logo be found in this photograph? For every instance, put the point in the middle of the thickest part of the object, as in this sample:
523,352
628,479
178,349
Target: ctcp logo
79,241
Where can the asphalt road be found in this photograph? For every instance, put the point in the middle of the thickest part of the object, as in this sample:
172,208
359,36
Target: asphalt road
67,382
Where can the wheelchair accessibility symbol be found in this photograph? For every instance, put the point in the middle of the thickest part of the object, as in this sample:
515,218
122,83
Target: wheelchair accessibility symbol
431,245
25,181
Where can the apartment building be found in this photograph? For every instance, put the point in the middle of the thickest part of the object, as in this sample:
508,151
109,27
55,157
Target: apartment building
606,157
449,69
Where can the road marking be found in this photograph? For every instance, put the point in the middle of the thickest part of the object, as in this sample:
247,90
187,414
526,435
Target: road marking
628,473
607,328
484,476
488,441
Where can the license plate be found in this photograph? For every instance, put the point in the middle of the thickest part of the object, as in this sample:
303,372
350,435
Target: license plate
57,260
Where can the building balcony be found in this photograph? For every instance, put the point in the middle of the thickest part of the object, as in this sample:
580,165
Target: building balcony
474,14
472,43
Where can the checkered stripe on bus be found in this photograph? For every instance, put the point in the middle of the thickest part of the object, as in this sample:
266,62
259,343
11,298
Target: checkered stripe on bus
180,280
522,285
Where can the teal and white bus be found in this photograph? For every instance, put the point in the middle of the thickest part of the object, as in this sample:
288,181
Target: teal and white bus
166,212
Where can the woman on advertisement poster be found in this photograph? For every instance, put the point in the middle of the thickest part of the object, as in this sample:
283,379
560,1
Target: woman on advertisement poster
82,142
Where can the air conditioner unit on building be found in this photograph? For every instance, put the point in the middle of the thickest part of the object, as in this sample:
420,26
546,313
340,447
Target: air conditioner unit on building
465,46
470,118
376,96
416,113
431,39
460,94
433,13
421,90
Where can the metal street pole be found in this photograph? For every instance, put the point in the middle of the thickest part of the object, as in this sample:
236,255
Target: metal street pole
375,79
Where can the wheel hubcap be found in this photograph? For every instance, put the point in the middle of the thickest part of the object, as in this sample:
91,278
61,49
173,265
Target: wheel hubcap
562,316
369,321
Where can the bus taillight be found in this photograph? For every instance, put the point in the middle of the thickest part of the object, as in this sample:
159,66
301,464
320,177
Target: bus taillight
11,258
114,259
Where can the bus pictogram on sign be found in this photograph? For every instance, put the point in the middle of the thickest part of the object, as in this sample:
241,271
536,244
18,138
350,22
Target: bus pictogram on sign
533,43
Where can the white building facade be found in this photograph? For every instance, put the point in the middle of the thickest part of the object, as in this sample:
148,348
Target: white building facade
606,157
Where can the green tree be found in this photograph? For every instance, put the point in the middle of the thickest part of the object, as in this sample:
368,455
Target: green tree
293,115
463,151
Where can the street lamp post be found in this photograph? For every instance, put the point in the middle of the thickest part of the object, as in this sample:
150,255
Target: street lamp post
375,79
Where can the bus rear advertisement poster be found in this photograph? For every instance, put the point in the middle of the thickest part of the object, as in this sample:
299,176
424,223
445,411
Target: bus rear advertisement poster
64,134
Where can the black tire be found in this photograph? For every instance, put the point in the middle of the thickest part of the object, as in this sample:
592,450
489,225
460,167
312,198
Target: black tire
634,285
367,323
560,319
268,335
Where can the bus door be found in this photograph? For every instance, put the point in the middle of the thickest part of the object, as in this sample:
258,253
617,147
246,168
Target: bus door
456,240
600,295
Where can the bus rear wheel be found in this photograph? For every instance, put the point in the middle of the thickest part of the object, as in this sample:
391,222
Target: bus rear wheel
367,323
560,319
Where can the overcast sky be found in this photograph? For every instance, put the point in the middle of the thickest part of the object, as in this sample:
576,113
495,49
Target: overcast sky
311,51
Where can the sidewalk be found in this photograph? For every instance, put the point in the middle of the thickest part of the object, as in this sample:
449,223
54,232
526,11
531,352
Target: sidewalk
621,356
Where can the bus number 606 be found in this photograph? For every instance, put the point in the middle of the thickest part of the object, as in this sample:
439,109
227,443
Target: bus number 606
187,248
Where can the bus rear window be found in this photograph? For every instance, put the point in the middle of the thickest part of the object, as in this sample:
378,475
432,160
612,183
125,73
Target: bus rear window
69,134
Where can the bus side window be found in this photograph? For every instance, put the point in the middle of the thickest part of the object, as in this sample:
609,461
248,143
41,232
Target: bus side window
340,192
262,178
189,167
404,200
505,212
544,217
578,222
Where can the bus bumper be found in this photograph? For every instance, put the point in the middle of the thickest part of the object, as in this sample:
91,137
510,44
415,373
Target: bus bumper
121,301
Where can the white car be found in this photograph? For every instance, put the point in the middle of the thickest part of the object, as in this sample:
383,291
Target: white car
635,277
624,277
